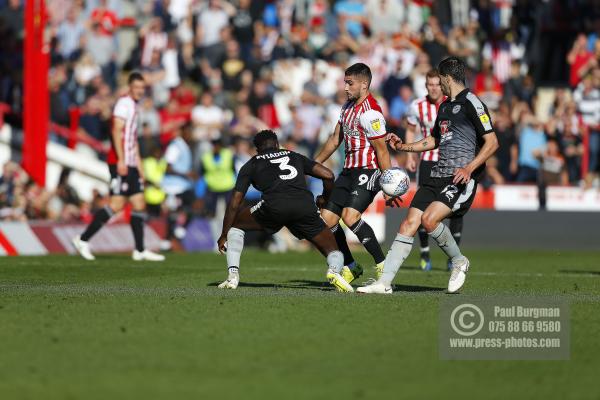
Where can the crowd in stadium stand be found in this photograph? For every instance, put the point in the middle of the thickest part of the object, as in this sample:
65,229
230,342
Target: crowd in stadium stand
218,71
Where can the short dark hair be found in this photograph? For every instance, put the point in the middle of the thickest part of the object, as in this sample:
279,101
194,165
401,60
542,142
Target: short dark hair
360,70
135,76
453,67
266,139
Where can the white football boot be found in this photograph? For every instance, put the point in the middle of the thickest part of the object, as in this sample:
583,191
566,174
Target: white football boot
83,248
233,279
375,287
147,255
458,275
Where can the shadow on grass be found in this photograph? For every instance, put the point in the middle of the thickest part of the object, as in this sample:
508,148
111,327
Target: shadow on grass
293,284
417,288
578,272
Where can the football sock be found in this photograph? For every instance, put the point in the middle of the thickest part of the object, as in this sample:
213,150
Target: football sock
235,245
441,234
424,241
340,239
335,261
100,219
137,227
365,234
456,226
395,257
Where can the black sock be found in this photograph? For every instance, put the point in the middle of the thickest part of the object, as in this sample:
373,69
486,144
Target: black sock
137,227
100,219
365,234
424,240
456,226
340,239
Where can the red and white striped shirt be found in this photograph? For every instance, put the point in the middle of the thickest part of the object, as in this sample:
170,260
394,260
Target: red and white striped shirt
126,109
423,113
361,123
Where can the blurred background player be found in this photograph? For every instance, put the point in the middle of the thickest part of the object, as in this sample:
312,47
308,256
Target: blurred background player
126,175
466,139
286,201
361,127
421,120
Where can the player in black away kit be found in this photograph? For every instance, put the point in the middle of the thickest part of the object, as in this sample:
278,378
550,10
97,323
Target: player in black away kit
464,134
286,201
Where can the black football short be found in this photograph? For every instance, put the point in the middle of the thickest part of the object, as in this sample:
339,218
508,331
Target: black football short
424,172
458,197
127,185
301,217
354,188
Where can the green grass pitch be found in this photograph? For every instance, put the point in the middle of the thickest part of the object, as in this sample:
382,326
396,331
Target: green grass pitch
108,329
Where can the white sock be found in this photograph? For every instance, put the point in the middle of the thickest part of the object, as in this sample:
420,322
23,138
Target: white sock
235,245
395,257
335,261
443,237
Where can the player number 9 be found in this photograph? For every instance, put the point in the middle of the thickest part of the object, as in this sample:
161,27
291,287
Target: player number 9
362,179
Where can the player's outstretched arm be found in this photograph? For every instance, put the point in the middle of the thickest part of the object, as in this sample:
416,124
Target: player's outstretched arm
232,209
322,172
425,144
411,160
490,145
331,145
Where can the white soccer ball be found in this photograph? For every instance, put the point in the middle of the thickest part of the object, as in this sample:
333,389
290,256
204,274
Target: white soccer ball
394,181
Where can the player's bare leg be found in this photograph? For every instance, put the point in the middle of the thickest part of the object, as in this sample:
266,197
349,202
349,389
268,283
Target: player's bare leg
398,252
244,221
363,231
325,242
101,217
138,218
432,219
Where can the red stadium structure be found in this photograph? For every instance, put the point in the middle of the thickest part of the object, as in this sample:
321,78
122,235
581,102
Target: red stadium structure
36,99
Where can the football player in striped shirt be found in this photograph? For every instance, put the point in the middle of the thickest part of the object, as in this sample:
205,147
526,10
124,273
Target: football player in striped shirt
421,120
361,128
126,175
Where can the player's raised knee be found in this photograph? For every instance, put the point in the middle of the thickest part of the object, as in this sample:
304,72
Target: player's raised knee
350,216
429,222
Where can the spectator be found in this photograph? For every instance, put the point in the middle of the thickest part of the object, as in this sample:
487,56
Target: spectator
400,105
12,17
531,139
217,169
553,169
70,34
211,21
580,59
587,98
208,120
508,152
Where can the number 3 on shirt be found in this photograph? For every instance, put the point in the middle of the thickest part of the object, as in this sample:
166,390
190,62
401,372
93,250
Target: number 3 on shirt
283,165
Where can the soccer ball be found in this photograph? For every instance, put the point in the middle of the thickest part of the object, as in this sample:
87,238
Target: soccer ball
394,182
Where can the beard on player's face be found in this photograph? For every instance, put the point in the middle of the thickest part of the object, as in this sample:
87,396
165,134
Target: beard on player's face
445,86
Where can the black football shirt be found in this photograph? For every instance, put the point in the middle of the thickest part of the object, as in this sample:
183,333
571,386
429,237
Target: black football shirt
278,174
460,126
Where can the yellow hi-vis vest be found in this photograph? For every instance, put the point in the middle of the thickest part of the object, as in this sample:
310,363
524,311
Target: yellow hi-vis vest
219,175
155,171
